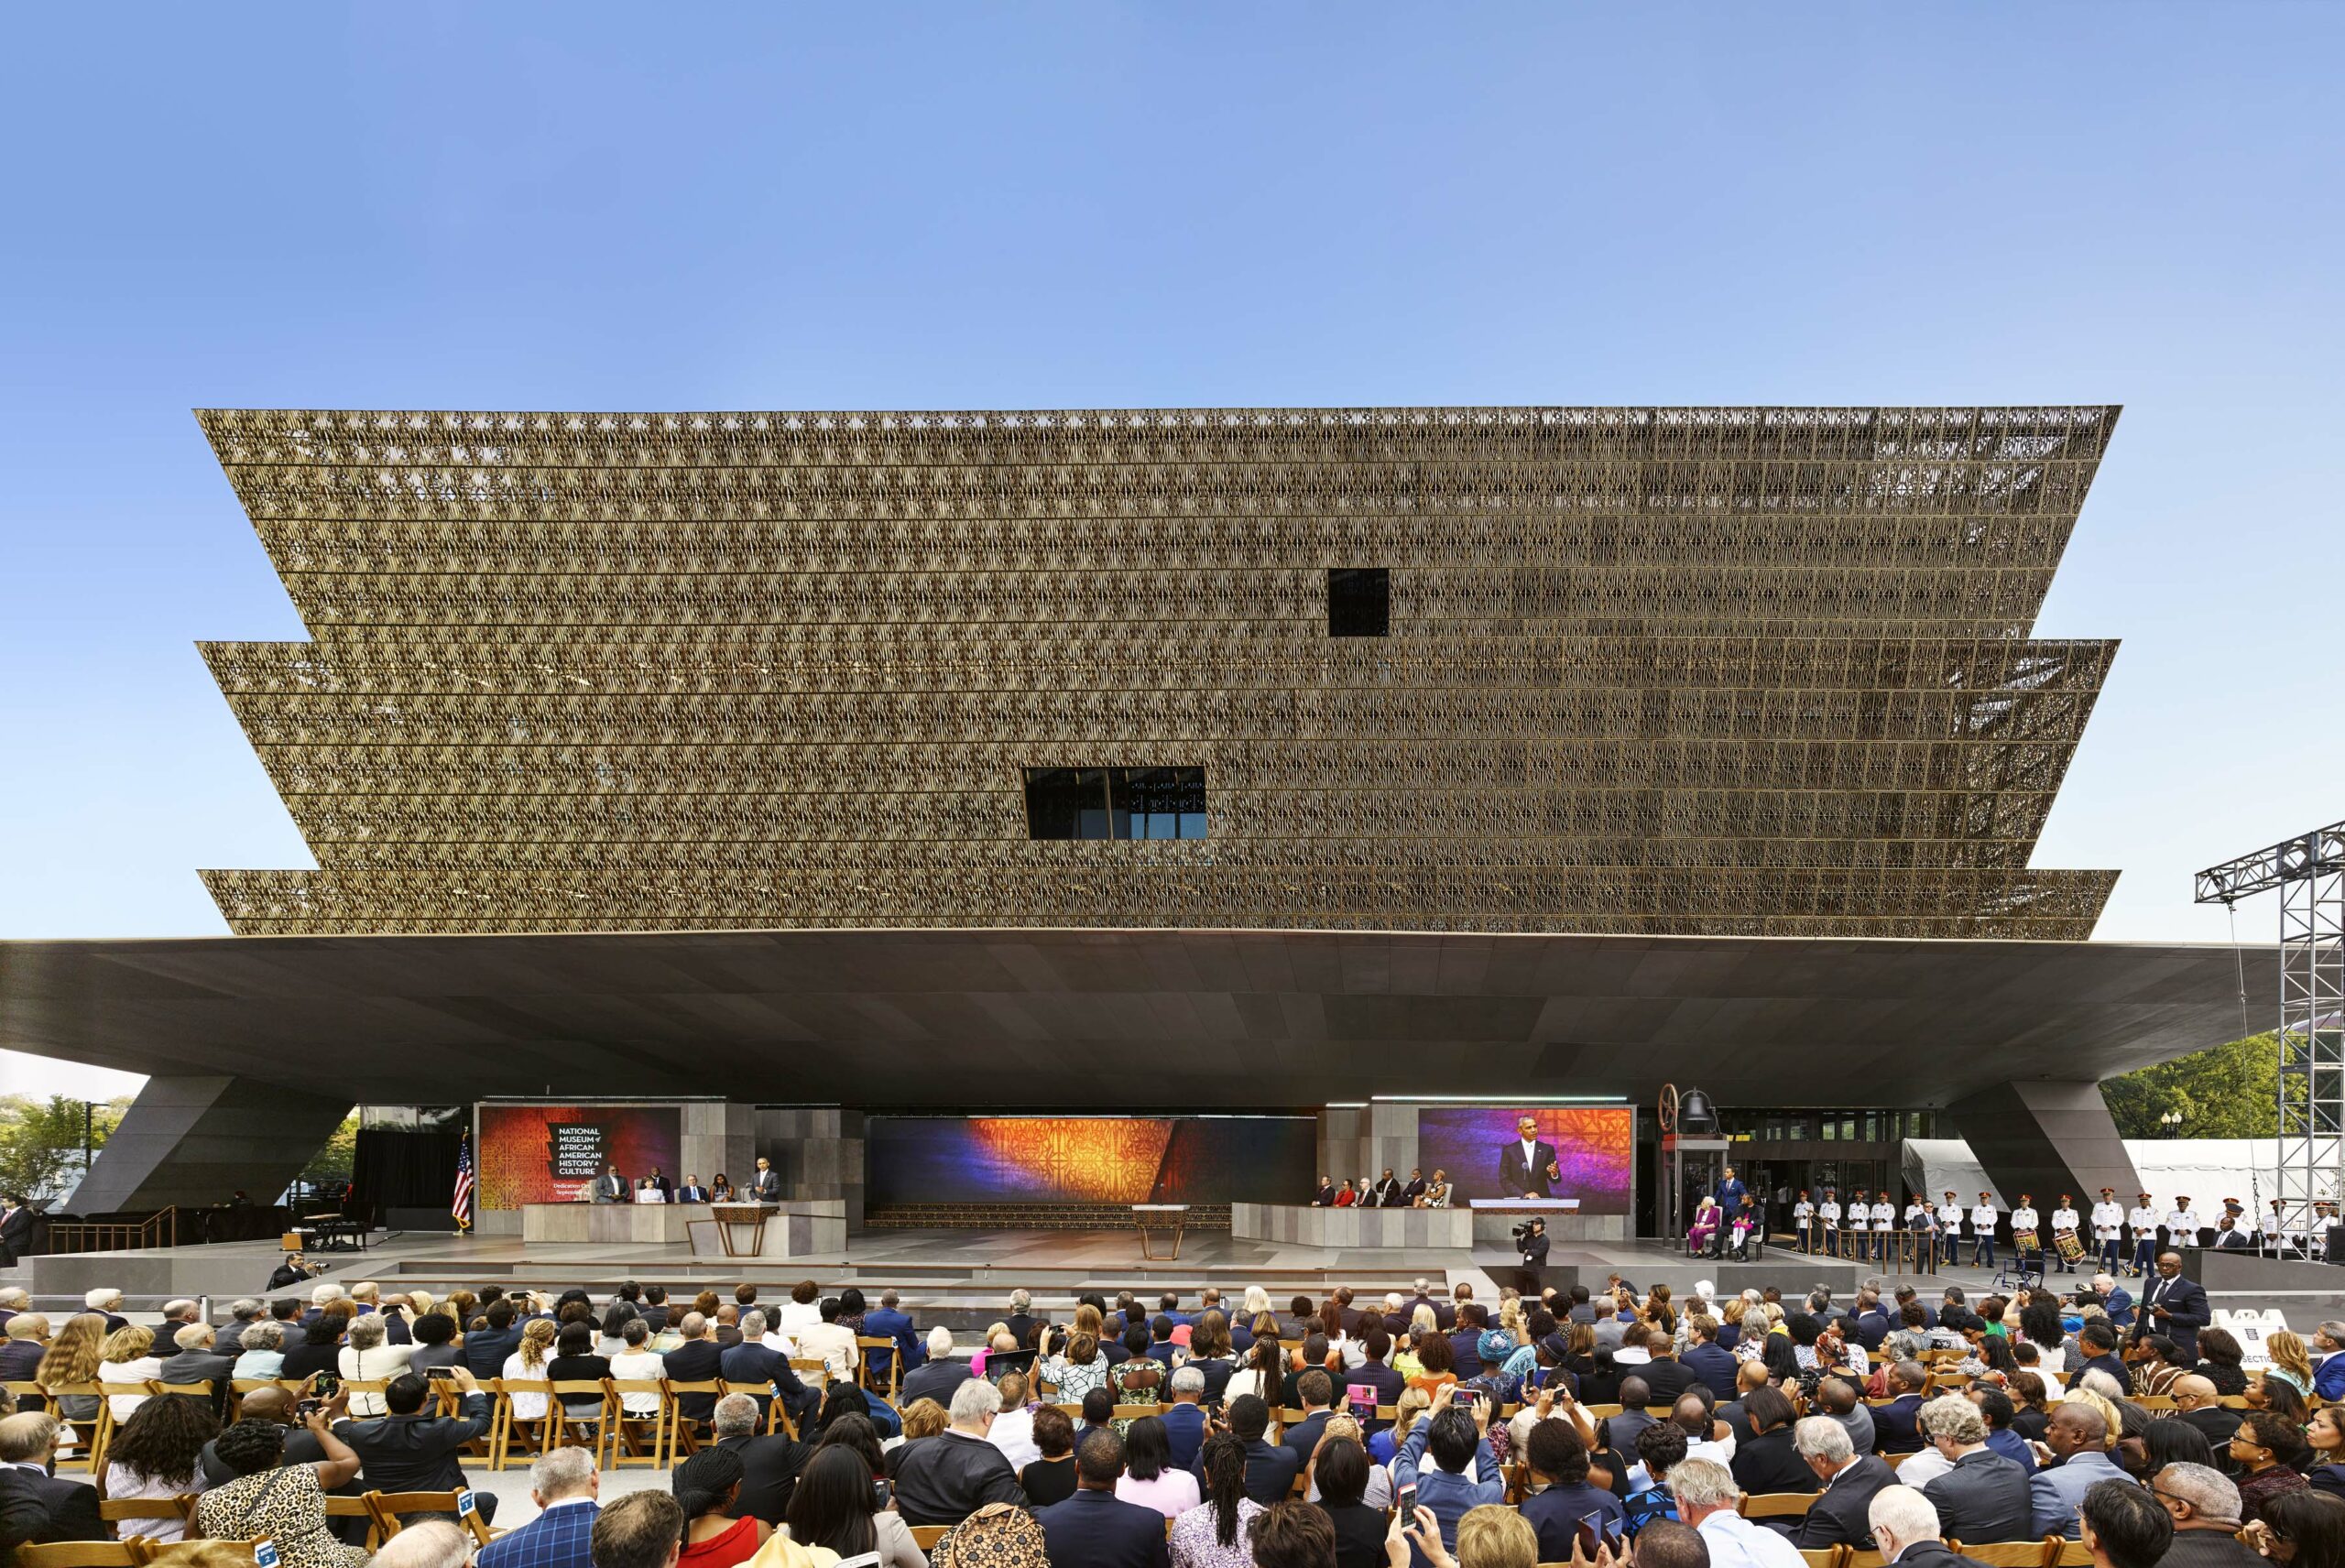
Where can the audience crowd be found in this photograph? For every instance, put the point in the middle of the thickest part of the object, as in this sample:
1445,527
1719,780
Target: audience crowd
1424,1430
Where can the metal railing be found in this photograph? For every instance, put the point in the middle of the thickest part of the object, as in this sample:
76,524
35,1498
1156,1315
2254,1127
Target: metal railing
158,1229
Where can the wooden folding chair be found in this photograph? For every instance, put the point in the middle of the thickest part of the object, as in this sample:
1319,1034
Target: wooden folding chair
924,1536
371,1387
33,1396
240,1387
206,1391
167,1553
1775,1505
114,1510
777,1418
602,1421
103,1438
387,1507
2035,1553
83,1431
813,1371
2066,1553
684,1430
131,1554
1134,1412
504,1422
448,1400
626,1445
355,1508
864,1346
1822,1556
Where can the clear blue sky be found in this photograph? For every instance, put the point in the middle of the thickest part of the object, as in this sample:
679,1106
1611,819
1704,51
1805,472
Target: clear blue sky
621,207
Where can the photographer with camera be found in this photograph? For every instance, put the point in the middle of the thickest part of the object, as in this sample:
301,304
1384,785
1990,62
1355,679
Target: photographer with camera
1531,1241
294,1271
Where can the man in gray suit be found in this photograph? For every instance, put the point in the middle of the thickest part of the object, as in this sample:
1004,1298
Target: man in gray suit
2080,1462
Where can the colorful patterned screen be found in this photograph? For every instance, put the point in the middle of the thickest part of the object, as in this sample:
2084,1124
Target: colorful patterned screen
1087,1160
551,1154
1595,1149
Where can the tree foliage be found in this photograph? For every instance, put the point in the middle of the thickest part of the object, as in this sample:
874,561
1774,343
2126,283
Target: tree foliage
40,1141
2225,1091
332,1162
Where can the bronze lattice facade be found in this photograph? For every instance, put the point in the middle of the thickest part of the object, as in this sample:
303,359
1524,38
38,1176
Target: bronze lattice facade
1672,670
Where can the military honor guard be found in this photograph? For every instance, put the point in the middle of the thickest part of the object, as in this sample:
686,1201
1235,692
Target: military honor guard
2182,1224
2109,1230
1982,1232
2065,1222
2141,1219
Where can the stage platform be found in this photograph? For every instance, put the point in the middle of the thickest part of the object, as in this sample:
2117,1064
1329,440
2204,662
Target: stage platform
960,1278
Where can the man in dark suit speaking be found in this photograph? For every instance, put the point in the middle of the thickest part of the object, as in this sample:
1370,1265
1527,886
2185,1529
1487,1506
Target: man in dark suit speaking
2172,1306
765,1187
1527,1166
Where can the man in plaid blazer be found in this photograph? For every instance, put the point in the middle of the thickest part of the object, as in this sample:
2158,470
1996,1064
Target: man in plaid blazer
563,1484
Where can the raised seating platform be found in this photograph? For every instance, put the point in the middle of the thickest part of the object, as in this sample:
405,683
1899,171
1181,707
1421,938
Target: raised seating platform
1306,1225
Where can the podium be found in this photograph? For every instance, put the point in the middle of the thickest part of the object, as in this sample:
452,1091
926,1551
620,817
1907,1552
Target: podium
732,1219
1160,1216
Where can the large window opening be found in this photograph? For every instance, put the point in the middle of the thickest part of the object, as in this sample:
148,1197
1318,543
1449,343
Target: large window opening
1115,802
1360,600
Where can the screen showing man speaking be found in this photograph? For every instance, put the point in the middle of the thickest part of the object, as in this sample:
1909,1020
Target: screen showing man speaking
1586,1152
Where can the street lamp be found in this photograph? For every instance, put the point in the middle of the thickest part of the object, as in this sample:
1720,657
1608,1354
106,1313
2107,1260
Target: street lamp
2170,1118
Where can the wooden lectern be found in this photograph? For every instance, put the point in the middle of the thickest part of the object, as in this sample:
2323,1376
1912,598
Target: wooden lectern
1160,1216
732,1217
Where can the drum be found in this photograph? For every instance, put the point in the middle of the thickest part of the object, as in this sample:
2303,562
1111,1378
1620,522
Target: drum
2029,1240
2068,1246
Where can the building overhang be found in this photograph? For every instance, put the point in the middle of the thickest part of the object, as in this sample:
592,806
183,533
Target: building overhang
1112,1019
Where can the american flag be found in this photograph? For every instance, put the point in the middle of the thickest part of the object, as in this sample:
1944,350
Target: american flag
461,1205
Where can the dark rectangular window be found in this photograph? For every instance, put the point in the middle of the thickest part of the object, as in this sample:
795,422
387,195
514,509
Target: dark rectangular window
1066,802
1115,802
1360,600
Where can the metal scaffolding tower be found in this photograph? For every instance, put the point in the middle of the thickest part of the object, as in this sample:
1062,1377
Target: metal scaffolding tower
2310,873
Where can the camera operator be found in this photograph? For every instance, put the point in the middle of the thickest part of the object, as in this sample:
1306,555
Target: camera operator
1531,1241
293,1270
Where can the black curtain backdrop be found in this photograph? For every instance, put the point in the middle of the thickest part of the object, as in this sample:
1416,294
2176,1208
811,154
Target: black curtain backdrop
396,1168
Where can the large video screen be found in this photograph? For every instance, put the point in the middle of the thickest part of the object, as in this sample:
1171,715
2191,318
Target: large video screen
1088,1159
1589,1152
551,1154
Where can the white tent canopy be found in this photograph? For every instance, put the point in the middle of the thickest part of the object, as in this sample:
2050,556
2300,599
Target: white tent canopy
2205,1170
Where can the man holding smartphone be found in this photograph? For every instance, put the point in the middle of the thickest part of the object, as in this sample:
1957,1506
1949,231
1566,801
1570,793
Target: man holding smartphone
413,1449
1463,1473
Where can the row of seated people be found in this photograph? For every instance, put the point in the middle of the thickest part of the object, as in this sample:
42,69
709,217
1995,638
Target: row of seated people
1652,1348
1387,1191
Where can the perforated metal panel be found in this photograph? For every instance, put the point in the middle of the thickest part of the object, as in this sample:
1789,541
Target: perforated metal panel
1669,671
